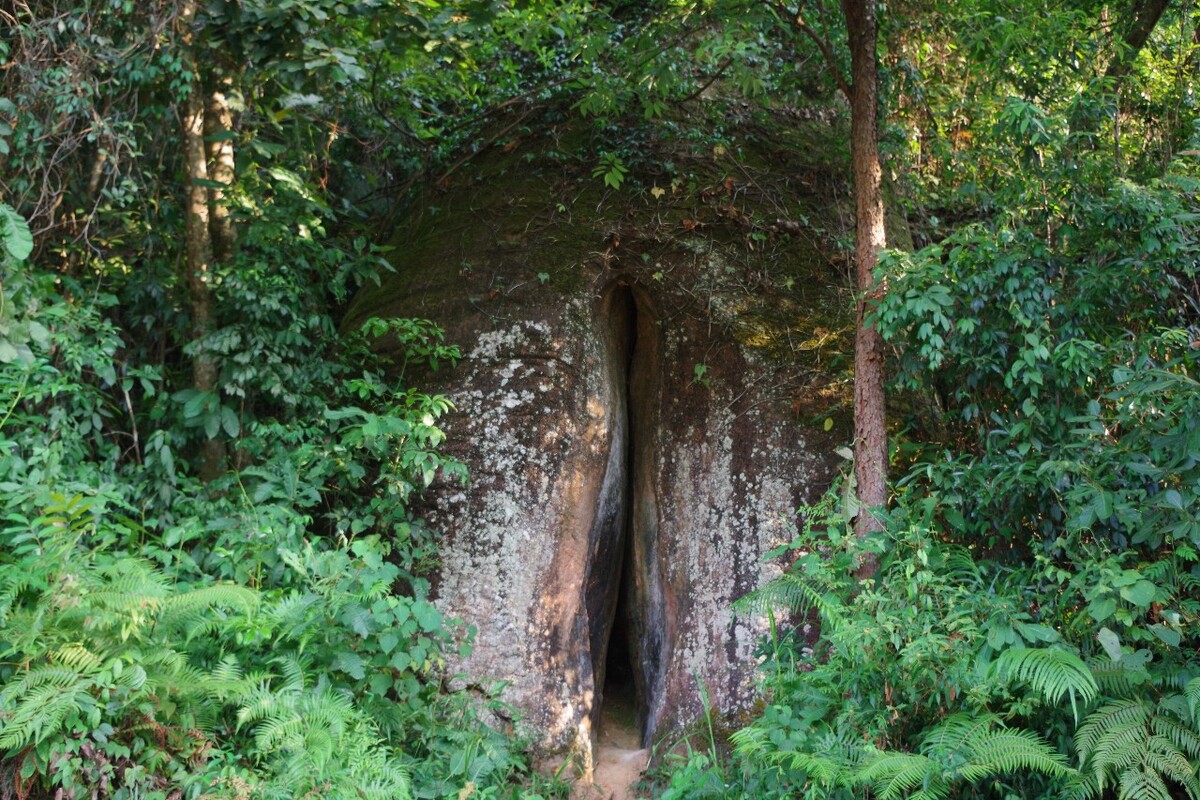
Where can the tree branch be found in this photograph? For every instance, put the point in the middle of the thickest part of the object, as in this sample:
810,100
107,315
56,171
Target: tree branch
799,23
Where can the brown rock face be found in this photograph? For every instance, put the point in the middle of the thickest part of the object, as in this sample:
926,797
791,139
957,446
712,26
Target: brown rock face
627,409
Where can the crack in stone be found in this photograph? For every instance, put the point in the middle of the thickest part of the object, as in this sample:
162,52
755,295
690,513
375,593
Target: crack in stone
623,594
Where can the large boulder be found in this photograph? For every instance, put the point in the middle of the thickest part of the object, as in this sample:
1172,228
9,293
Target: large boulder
641,404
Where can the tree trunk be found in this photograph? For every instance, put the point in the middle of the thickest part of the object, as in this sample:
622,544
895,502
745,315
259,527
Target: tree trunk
198,263
198,267
218,130
870,429
1146,16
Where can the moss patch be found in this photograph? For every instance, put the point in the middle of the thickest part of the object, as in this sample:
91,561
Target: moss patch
752,229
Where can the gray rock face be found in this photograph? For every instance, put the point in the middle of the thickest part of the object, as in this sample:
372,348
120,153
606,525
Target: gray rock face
629,420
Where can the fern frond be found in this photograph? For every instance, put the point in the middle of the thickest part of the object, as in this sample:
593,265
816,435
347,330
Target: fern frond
40,713
1117,751
227,681
1118,715
286,731
257,704
1183,738
76,657
1192,692
790,591
61,677
998,752
1162,757
293,673
1118,678
958,566
751,742
132,677
893,774
1052,672
1142,785
822,769
956,732
188,610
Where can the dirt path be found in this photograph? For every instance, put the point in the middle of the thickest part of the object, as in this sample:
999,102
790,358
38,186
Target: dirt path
619,762
620,758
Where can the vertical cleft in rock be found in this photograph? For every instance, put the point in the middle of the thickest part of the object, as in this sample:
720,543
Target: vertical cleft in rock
622,589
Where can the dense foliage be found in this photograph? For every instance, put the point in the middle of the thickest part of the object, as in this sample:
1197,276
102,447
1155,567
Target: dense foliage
211,583
267,630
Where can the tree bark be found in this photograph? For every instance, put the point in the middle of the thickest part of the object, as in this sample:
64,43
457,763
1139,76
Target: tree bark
1146,16
198,266
218,129
198,262
870,428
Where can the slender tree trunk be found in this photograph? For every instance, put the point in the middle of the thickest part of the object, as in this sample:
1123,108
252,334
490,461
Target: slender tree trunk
218,142
870,429
198,263
198,267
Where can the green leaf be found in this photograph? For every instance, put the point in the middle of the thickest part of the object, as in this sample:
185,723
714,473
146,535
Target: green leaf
351,663
39,334
14,234
1110,642
427,616
1054,673
1168,636
1101,610
1140,594
230,423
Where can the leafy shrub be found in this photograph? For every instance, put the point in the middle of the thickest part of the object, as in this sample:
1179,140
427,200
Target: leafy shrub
948,674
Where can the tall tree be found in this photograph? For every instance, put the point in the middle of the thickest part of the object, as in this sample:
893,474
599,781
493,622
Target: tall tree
198,261
862,91
870,429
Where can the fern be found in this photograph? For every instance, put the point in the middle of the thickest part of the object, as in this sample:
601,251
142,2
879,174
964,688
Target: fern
1117,715
197,613
827,771
1185,739
1119,678
791,591
997,752
48,696
316,738
892,775
1052,672
1140,747
963,749
1142,785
